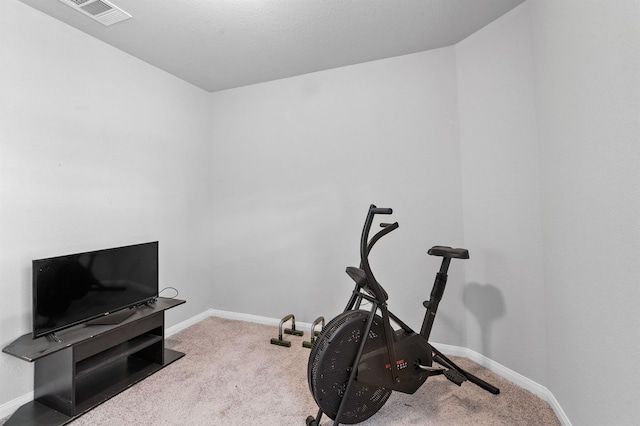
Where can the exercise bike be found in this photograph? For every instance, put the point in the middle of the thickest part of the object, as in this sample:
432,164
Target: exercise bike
358,358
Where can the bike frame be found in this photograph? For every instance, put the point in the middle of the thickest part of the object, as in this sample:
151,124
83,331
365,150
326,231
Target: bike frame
368,288
379,298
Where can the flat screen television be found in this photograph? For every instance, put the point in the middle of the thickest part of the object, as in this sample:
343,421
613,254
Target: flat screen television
77,288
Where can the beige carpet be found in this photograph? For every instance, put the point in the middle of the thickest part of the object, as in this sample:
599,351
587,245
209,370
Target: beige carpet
232,375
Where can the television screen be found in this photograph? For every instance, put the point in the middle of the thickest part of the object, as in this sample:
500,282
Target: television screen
72,289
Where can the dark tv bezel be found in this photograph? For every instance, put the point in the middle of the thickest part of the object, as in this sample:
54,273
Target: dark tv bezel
93,317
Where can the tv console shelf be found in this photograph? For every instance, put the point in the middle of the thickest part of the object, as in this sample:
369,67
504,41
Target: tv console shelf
91,363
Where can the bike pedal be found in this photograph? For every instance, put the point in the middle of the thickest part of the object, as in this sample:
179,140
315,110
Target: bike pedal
455,376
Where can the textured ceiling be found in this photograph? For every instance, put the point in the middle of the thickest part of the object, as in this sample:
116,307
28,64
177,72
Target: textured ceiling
222,44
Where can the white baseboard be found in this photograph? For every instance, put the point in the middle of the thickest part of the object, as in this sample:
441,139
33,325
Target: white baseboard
9,407
187,323
233,316
517,378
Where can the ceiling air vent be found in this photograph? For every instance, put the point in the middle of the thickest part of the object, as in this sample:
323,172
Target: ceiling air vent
100,10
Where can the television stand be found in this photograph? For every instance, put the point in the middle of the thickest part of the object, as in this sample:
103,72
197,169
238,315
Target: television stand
114,317
91,364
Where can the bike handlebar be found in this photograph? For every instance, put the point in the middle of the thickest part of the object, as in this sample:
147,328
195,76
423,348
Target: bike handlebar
378,210
365,247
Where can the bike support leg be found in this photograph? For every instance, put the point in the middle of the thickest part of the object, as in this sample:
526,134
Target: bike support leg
439,358
314,421
356,361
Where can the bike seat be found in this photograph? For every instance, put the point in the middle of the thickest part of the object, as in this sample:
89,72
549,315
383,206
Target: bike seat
443,251
360,278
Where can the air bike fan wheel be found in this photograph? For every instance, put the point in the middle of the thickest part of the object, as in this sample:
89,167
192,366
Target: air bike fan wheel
330,364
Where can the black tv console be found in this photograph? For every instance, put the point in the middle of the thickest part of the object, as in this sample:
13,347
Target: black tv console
91,363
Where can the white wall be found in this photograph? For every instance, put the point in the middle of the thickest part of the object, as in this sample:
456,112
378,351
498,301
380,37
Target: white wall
296,163
501,195
97,149
587,72
550,147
